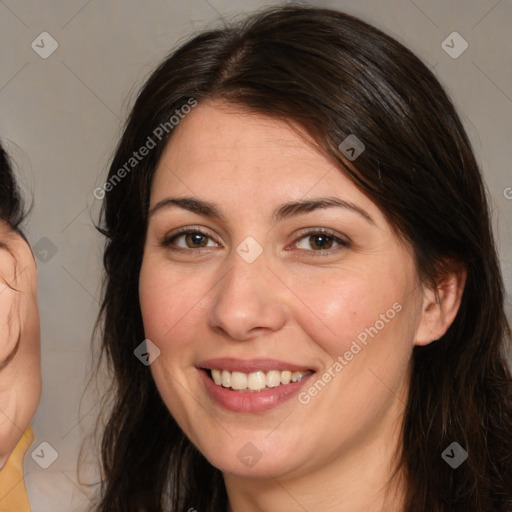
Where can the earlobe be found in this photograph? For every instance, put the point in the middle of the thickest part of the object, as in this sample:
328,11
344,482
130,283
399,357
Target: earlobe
440,307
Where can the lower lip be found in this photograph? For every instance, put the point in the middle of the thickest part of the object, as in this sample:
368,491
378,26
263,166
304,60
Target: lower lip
251,401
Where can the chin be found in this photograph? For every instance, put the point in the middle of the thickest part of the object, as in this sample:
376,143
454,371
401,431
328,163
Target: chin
249,461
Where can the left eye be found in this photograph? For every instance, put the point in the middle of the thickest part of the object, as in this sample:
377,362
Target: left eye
319,241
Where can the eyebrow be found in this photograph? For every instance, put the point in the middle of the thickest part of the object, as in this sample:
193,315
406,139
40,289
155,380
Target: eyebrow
282,212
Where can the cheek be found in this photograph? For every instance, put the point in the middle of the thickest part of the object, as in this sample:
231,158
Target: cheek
364,326
169,301
349,307
171,312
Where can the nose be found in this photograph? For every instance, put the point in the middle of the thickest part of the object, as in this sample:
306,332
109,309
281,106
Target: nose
249,301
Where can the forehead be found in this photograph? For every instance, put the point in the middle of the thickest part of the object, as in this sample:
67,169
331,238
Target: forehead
225,152
217,132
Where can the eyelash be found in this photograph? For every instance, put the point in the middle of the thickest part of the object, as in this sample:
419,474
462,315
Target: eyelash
168,240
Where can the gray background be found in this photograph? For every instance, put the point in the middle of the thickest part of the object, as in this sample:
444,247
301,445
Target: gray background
62,116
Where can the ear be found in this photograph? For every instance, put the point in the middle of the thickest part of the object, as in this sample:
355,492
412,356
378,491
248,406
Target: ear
440,306
18,293
9,307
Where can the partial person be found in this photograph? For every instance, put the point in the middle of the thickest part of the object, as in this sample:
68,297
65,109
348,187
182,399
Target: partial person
20,358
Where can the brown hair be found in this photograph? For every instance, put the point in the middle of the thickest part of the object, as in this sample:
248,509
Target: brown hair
333,75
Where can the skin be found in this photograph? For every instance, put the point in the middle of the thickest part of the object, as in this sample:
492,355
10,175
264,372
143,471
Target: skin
20,372
334,453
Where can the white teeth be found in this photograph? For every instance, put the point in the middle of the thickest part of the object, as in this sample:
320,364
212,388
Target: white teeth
286,377
216,377
273,379
226,379
238,380
255,381
296,376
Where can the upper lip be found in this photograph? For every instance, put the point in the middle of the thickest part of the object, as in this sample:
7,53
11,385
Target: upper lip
250,365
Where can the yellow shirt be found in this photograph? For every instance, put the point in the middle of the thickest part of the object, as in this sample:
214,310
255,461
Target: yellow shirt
13,494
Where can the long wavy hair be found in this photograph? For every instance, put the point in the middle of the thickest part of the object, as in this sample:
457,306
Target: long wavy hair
333,75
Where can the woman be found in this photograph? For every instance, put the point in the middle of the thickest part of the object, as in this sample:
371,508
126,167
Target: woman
20,373
298,230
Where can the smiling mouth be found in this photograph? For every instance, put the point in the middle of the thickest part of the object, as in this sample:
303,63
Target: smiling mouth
255,381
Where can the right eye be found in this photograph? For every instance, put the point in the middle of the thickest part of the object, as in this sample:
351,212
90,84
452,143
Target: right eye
188,239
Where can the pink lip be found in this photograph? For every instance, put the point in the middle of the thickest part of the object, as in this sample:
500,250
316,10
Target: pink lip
250,365
250,401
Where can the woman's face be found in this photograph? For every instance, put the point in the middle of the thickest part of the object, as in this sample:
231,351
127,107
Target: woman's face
20,359
271,284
